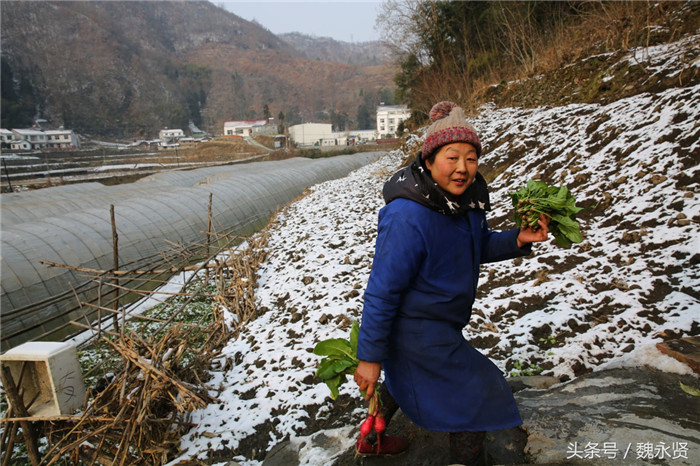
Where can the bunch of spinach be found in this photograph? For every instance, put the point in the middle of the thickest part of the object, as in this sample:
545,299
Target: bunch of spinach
340,359
555,202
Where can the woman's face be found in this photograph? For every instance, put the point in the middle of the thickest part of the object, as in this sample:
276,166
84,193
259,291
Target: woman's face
454,167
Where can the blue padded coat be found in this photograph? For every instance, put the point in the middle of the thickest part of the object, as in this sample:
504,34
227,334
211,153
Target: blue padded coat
418,299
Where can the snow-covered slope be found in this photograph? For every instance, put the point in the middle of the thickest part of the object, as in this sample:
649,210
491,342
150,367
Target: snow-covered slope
635,164
633,282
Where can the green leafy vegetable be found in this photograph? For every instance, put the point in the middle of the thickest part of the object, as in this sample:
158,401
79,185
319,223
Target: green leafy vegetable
555,202
340,359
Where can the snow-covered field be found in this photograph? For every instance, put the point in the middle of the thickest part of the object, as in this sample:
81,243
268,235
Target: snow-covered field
320,256
605,302
635,162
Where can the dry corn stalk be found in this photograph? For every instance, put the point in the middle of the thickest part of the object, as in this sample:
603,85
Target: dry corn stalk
236,281
139,415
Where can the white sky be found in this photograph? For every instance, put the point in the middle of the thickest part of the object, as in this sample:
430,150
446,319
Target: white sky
348,21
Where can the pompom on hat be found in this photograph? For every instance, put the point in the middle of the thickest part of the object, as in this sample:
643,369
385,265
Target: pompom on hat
448,125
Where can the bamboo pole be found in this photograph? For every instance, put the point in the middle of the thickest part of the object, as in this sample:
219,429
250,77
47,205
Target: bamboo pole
120,273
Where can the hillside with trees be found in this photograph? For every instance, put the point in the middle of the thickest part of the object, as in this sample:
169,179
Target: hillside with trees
476,52
370,53
127,69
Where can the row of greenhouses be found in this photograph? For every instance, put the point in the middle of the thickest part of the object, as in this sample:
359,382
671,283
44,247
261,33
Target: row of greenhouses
79,225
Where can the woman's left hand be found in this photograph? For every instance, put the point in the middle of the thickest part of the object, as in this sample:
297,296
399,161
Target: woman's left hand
527,235
366,376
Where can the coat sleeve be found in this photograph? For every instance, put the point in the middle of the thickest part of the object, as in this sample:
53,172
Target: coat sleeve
500,245
399,253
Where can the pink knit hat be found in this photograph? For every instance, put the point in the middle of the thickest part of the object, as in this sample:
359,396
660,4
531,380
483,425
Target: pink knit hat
448,125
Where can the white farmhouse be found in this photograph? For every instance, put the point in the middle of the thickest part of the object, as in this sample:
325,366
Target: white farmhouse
6,136
170,135
32,139
170,138
388,119
243,128
312,134
61,139
29,139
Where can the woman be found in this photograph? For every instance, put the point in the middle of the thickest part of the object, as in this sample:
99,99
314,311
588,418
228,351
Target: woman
432,238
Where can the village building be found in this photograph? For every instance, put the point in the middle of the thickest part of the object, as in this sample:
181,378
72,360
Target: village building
361,136
195,132
313,134
388,119
6,137
322,135
170,138
62,139
249,128
29,139
36,139
170,135
336,139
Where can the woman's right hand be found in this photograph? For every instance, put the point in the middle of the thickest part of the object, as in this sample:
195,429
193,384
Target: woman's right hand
366,376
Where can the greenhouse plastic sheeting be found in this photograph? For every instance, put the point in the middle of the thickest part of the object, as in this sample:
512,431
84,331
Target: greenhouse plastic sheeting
71,224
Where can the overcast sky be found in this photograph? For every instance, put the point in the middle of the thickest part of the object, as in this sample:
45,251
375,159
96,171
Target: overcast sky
348,21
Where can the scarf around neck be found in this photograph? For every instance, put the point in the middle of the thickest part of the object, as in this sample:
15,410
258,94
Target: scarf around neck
414,182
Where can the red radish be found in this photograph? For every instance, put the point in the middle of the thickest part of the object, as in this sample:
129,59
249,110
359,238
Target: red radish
379,423
366,427
379,428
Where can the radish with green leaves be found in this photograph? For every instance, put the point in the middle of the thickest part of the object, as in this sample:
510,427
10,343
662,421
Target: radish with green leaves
340,360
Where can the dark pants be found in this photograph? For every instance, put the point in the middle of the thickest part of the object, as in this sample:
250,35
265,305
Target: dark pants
465,447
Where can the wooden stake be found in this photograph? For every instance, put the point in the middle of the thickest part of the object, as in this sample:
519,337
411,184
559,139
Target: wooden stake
206,270
115,254
8,384
7,175
8,432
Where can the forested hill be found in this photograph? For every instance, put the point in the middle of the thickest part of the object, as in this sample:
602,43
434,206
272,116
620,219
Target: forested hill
327,49
532,53
128,69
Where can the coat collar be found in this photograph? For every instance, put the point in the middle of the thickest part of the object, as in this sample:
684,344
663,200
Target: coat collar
415,183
